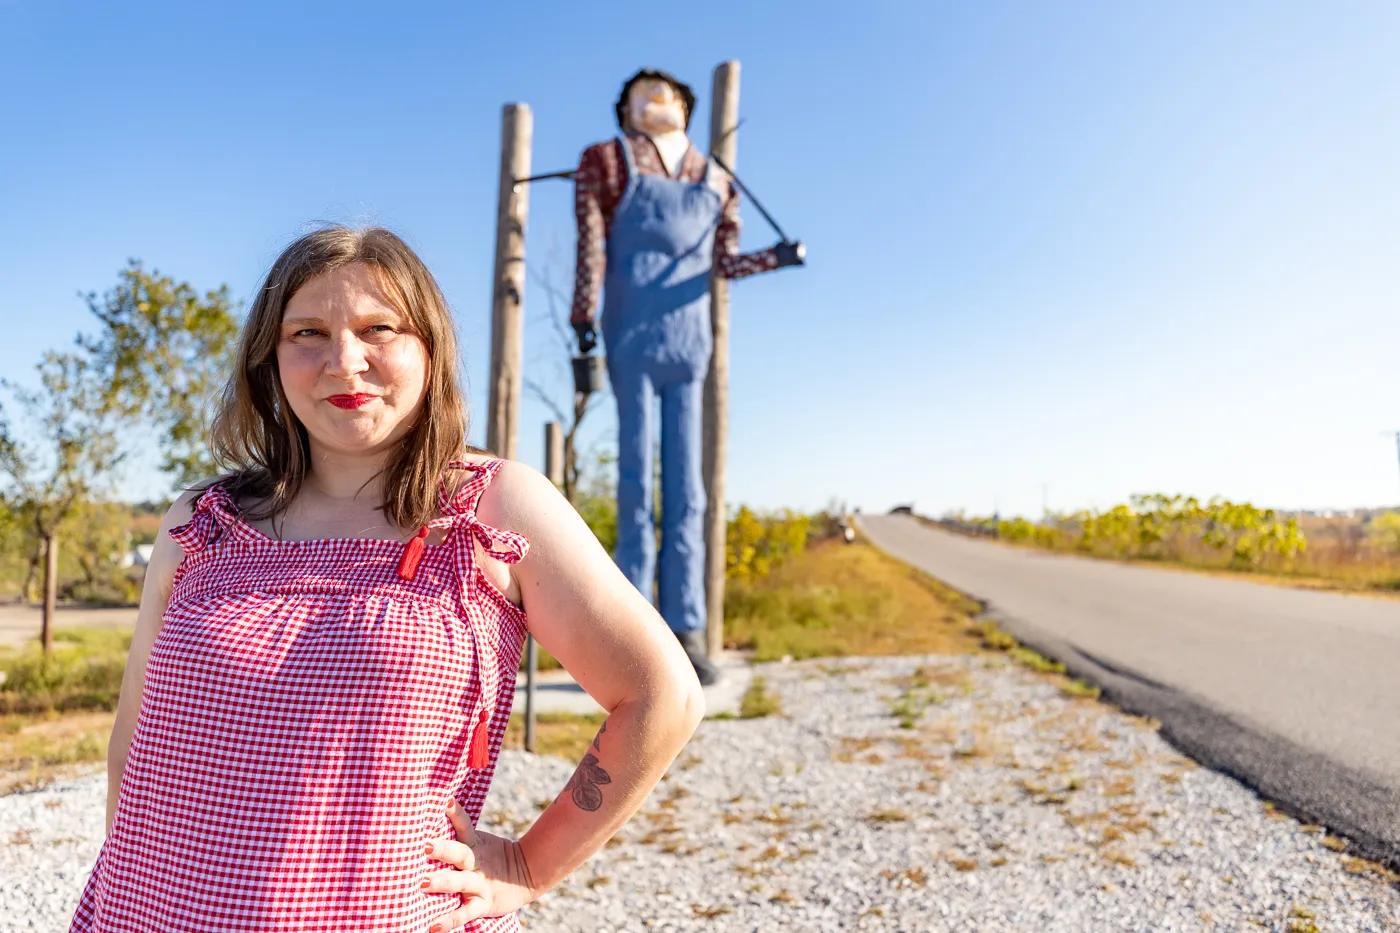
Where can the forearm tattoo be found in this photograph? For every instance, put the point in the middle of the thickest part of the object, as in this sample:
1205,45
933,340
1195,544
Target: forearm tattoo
585,787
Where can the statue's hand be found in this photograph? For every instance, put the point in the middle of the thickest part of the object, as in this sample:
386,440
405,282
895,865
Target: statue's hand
791,254
587,337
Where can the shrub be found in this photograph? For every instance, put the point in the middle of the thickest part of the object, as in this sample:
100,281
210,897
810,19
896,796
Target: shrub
757,544
84,673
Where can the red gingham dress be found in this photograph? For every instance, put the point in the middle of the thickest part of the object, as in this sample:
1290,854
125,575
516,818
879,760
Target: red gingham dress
306,714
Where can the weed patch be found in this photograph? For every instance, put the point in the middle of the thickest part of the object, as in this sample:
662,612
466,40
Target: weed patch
758,702
1080,690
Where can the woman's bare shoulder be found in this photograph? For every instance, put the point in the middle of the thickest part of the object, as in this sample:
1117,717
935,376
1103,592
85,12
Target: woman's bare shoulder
520,499
182,509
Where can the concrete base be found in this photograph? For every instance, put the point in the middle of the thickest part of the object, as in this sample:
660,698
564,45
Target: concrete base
557,692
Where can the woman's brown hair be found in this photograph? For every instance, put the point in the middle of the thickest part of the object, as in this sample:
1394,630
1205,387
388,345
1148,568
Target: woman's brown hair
257,437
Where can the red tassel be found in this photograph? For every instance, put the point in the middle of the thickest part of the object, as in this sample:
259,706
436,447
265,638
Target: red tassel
481,738
412,554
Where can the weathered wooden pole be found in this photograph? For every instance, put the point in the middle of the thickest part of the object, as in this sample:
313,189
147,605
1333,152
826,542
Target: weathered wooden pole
724,117
508,286
554,453
50,591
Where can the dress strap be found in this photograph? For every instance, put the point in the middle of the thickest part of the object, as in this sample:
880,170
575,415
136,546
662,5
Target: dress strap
459,513
214,515
460,509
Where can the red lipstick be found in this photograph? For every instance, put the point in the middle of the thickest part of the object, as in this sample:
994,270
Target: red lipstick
350,401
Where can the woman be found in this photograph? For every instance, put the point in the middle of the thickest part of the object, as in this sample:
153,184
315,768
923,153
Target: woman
324,659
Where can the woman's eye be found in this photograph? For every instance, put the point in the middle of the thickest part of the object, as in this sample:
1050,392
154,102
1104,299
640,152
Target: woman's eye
306,332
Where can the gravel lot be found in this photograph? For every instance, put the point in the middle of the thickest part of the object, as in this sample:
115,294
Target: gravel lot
1003,805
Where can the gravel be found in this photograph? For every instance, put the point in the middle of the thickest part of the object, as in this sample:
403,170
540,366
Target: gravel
930,794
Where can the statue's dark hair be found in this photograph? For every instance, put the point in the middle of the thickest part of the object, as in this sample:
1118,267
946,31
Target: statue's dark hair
651,74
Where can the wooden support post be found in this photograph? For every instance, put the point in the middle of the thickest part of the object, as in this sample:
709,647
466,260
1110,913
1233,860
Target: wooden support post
554,469
554,453
508,286
50,591
724,117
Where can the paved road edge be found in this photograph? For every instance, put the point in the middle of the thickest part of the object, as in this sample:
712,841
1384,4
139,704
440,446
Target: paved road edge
1303,783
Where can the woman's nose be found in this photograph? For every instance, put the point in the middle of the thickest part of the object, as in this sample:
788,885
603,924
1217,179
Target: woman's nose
347,357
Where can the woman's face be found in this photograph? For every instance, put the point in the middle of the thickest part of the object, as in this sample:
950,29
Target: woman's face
353,368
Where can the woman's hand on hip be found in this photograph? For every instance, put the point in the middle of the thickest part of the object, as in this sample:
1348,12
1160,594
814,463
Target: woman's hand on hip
488,873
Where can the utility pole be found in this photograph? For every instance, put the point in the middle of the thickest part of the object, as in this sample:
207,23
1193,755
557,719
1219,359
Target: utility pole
508,286
724,143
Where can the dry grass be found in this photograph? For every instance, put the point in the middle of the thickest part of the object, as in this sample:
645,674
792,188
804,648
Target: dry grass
36,750
847,599
887,815
1360,866
565,735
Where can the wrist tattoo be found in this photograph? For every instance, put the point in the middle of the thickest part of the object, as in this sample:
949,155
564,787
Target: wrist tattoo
520,868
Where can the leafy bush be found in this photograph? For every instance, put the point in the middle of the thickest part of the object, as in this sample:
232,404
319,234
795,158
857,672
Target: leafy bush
599,512
1177,528
1385,529
757,544
84,673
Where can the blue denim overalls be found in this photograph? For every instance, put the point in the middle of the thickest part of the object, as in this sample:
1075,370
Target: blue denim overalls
656,325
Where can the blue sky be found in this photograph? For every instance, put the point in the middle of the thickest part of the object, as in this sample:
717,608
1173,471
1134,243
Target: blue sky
1089,248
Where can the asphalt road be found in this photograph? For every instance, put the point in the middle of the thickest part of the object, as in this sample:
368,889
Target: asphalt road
1295,693
20,625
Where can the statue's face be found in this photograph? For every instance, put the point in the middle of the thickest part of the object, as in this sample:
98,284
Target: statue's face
654,107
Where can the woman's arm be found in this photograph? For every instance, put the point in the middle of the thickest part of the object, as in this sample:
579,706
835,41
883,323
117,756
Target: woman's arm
605,633
155,596
585,613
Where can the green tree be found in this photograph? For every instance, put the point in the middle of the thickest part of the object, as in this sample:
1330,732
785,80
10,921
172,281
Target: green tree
64,451
167,352
97,536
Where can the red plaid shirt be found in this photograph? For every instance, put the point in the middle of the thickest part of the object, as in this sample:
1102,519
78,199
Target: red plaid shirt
598,187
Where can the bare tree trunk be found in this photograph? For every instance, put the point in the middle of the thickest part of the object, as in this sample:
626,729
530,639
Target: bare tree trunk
31,576
50,590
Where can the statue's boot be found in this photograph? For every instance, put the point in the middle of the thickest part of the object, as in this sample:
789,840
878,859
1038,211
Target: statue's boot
695,649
